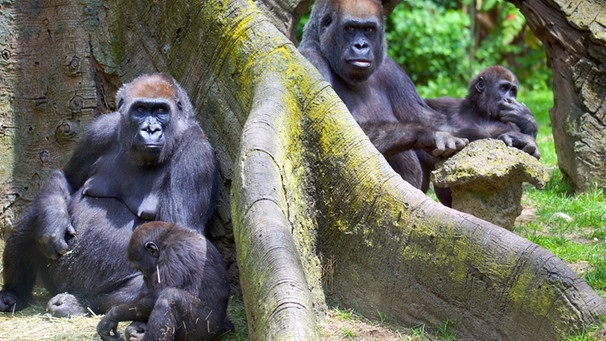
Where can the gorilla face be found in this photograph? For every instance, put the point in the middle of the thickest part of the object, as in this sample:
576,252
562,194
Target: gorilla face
150,109
353,45
148,121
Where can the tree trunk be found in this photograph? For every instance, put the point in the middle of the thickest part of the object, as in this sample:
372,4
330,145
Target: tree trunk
316,209
574,34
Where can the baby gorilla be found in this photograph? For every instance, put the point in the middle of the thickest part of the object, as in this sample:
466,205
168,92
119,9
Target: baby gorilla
186,287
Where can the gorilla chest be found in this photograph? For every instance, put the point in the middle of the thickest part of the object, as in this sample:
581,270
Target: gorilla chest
367,103
138,188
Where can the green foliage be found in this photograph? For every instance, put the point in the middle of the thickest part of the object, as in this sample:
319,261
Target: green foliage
430,42
433,41
444,331
539,102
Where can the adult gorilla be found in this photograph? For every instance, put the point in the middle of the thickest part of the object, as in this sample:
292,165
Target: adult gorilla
148,161
344,40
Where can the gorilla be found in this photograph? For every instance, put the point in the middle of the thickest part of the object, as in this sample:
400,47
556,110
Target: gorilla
490,110
149,160
186,287
345,41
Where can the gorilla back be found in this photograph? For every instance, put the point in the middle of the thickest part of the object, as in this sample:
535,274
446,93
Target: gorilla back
147,161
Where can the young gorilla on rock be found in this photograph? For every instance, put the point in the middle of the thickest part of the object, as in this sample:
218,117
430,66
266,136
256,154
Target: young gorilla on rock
147,161
490,110
186,287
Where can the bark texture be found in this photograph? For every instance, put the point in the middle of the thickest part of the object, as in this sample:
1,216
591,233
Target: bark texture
316,209
574,34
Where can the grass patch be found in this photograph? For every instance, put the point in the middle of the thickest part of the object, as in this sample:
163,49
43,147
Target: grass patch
571,226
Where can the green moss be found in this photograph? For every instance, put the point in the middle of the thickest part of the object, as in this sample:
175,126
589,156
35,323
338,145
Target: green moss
93,11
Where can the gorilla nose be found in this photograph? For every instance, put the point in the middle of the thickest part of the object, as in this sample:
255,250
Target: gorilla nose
361,48
152,129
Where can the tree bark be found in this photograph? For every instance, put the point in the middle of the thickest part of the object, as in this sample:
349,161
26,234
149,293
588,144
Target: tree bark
574,34
316,209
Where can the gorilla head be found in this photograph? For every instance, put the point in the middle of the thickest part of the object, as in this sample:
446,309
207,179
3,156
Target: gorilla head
154,109
351,37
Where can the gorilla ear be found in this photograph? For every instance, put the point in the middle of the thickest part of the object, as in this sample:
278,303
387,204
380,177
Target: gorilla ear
152,249
180,106
120,103
480,85
326,20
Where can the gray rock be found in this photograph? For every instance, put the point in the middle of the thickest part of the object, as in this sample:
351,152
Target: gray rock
486,180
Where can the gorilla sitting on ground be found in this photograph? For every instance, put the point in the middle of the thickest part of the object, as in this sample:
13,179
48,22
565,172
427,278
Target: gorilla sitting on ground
149,160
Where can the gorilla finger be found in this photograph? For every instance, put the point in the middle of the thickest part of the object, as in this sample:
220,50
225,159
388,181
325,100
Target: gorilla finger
532,150
440,144
507,139
61,248
460,143
437,152
71,230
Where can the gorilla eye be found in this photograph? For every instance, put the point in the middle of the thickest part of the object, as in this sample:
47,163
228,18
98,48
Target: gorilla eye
369,29
141,108
160,110
152,249
350,28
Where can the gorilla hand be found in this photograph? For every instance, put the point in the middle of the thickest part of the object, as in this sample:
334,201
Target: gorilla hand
9,302
512,111
522,142
52,216
108,329
444,144
55,234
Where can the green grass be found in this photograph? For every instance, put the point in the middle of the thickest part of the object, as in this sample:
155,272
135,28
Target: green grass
571,226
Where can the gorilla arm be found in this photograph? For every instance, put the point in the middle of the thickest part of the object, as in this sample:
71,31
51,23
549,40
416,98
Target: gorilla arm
137,310
53,219
192,184
54,223
512,111
394,137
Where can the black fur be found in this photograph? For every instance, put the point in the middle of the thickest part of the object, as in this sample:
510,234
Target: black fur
186,287
347,45
75,233
490,110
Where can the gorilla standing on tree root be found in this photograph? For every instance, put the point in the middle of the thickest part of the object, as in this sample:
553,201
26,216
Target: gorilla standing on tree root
345,40
148,161
490,110
186,282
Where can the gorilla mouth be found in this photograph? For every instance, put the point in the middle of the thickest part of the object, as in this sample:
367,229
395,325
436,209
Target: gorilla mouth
361,63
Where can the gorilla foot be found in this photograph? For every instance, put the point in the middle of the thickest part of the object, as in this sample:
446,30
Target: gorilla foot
9,302
135,331
65,305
